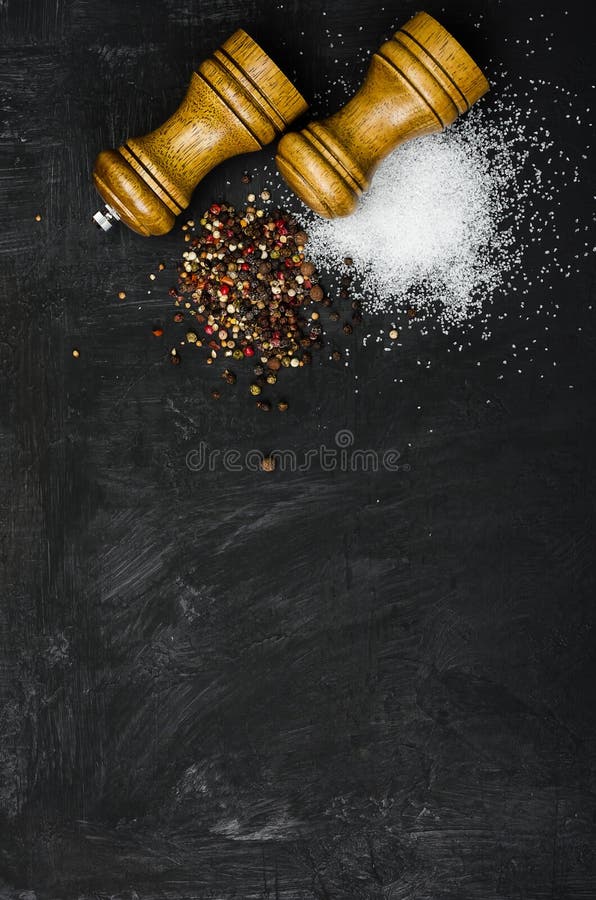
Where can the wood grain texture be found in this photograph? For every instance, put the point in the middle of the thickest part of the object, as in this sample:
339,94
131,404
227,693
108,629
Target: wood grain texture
320,686
238,102
418,83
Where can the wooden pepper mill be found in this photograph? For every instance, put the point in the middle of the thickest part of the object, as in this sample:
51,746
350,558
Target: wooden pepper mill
418,82
237,102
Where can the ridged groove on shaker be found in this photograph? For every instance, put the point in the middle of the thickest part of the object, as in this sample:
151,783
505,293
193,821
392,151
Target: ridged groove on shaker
275,117
137,163
223,100
411,84
329,156
437,64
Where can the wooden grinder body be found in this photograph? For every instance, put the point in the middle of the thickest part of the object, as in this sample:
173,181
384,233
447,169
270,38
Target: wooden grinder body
237,102
418,83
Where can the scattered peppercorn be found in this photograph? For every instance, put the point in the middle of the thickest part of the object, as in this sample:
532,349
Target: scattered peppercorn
76,353
174,357
264,405
268,464
38,218
336,355
348,261
245,281
122,295
283,405
247,284
216,394
394,334
157,331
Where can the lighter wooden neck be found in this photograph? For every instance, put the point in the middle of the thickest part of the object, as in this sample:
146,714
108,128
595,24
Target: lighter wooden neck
237,102
418,83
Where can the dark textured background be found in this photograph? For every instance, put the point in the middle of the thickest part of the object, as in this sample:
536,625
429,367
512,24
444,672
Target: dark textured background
323,685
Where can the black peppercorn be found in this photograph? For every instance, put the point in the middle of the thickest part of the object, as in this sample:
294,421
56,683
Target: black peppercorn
347,329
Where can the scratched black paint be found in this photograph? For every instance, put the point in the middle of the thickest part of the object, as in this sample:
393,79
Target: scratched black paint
321,685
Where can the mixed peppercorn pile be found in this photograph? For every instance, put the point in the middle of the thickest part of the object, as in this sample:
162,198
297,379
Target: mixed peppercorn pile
251,292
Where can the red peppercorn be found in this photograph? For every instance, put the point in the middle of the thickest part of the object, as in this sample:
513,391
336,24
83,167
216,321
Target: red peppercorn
208,329
249,351
225,289
215,209
245,267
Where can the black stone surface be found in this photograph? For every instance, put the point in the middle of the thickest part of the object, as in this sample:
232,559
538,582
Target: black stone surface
306,685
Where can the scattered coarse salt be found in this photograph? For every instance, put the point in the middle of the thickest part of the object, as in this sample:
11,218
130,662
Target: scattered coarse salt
448,218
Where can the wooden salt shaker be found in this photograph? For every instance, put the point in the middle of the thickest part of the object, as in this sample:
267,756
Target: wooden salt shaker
237,102
418,82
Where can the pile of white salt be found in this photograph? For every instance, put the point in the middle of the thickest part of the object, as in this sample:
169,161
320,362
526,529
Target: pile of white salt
448,218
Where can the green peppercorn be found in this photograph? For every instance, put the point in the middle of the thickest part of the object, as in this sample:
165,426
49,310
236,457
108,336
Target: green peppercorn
255,389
